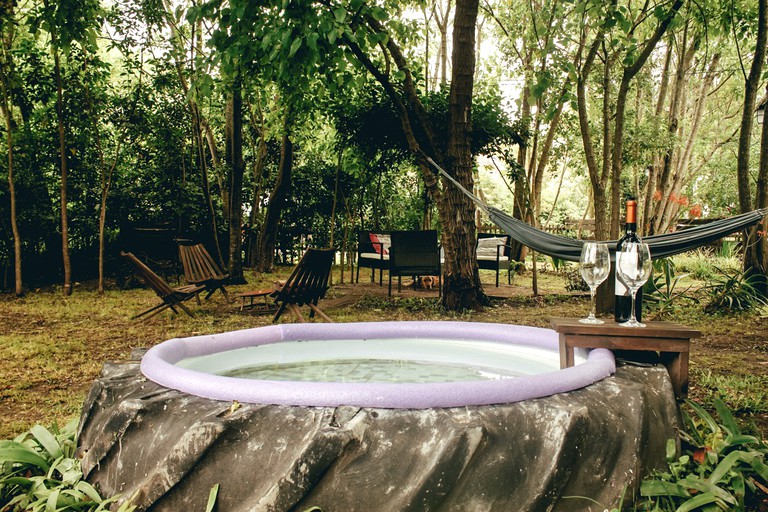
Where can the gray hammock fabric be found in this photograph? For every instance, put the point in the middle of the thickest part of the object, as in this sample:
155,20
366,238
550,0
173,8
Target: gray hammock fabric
564,248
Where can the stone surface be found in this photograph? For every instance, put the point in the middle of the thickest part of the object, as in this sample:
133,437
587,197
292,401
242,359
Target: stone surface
167,449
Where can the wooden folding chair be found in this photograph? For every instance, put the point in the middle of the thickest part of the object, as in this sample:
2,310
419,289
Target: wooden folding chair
307,284
201,269
171,297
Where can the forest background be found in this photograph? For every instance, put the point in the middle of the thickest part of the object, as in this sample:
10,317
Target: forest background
242,123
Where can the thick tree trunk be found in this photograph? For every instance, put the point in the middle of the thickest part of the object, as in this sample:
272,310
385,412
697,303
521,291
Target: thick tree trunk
236,168
275,206
755,252
462,281
747,115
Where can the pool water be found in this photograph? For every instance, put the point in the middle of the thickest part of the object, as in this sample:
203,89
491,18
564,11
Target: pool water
369,370
402,360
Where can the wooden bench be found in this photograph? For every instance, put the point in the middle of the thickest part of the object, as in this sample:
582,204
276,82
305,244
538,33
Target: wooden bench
670,340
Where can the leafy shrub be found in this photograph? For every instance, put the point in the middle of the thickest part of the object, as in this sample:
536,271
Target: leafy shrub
703,264
663,292
720,469
573,280
734,291
39,471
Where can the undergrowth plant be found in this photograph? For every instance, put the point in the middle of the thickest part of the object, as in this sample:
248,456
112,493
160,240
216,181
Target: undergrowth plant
40,472
720,469
664,292
703,264
734,291
743,394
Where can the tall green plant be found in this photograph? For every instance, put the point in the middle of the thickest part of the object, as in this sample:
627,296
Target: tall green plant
735,291
39,471
664,291
721,468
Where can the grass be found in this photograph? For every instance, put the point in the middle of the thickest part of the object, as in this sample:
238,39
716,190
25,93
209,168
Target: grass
54,346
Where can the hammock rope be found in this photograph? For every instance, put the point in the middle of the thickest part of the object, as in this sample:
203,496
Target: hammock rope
565,248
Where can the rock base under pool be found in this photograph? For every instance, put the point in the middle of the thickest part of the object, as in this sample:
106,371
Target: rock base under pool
167,449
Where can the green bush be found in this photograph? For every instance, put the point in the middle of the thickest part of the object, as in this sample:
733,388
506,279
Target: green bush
703,264
663,292
39,471
720,469
734,291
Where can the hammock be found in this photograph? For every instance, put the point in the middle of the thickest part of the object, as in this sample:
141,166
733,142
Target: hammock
564,248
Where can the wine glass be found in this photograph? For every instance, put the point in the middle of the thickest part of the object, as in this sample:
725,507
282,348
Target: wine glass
633,267
595,264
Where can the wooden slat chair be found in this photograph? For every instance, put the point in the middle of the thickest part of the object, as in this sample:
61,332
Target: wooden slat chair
201,269
306,285
171,297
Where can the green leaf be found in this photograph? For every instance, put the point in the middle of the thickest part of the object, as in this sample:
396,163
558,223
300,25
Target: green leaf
89,491
340,14
312,40
378,13
294,47
11,451
47,441
698,501
725,466
705,416
671,450
726,417
52,501
212,495
661,488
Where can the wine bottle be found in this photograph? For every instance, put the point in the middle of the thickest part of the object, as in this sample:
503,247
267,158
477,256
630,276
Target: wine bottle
623,300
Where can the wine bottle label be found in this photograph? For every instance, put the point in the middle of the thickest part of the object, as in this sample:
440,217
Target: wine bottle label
621,288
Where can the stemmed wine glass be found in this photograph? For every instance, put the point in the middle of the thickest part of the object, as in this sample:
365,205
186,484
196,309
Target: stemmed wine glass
595,264
633,267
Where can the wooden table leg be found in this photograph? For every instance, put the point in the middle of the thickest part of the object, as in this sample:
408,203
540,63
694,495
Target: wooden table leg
566,353
677,366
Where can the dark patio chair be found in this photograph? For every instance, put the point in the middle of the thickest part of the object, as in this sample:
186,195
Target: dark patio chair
414,253
493,252
201,269
372,252
171,297
306,285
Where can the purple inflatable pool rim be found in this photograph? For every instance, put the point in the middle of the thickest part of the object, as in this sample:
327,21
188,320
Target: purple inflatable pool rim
158,364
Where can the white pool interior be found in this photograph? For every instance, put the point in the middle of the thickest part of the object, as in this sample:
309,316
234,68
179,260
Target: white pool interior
393,360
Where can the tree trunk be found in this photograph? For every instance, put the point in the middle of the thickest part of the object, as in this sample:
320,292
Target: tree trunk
755,249
275,206
67,285
522,191
252,247
6,107
236,168
655,168
462,281
682,173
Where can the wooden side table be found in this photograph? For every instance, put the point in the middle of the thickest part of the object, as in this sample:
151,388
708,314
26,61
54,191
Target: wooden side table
671,340
253,295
